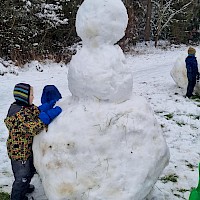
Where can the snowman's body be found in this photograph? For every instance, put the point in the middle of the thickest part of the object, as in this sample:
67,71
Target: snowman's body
98,70
106,145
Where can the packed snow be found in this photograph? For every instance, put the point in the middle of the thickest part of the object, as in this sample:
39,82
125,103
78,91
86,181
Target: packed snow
101,22
108,142
94,145
100,73
97,70
113,133
178,116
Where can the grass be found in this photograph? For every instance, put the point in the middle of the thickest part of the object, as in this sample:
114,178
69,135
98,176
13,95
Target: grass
171,177
189,165
4,196
180,123
197,99
183,190
177,195
169,116
194,116
197,117
162,125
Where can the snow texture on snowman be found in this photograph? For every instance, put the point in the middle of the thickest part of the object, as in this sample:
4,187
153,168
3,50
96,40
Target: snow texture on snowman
106,144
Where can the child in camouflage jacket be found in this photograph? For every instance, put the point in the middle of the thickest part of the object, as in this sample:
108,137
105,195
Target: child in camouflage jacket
24,120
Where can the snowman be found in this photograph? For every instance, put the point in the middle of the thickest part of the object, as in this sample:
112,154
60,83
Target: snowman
106,144
98,70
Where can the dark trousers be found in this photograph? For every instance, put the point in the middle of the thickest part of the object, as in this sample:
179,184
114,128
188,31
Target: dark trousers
23,172
190,87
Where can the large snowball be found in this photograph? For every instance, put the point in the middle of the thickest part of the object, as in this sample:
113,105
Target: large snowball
100,73
101,151
179,73
101,21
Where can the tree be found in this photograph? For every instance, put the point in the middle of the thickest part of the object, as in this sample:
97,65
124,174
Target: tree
148,21
165,12
193,21
38,27
135,28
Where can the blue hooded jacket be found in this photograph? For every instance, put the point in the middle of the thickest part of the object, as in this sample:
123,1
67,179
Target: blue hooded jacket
192,67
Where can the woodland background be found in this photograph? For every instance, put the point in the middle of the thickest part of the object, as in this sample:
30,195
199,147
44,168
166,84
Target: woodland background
40,29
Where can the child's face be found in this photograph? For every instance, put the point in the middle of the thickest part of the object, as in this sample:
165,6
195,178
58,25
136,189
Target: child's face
31,97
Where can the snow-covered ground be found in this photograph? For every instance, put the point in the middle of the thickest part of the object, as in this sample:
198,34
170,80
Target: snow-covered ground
178,117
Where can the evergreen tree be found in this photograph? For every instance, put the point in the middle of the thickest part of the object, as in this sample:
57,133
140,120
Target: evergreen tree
39,27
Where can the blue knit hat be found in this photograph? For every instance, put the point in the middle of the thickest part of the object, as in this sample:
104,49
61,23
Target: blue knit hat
22,92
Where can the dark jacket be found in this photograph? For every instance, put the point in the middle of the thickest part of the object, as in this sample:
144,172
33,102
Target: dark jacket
192,67
23,123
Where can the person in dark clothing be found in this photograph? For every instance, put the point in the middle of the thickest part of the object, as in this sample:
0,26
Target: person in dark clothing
24,121
192,71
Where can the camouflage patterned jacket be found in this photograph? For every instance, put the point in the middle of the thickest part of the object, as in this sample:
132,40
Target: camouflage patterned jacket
23,124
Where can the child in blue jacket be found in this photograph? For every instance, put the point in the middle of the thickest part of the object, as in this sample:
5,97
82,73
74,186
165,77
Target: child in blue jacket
192,71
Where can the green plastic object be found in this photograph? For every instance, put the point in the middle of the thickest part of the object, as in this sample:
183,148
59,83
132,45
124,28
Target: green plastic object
195,193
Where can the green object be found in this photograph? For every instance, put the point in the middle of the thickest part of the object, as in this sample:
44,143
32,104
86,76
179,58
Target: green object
195,193
4,196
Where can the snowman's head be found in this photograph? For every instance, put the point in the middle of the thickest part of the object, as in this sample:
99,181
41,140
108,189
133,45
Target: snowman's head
101,22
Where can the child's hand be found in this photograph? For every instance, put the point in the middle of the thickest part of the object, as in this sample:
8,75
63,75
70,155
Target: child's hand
54,112
46,106
52,103
48,116
44,118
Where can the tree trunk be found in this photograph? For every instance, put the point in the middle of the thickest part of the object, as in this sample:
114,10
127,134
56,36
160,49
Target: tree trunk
148,21
159,23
